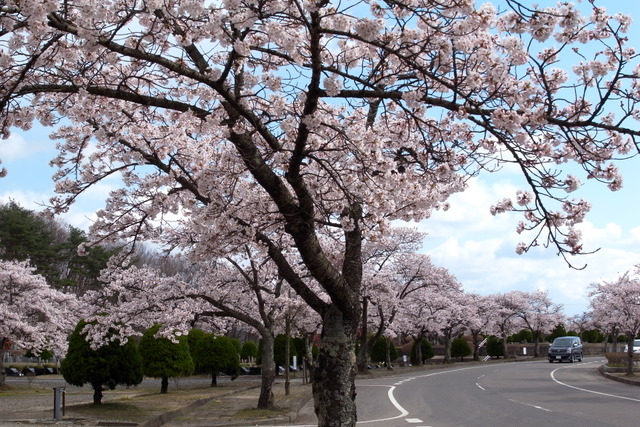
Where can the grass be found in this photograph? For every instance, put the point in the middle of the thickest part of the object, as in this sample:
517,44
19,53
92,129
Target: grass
254,413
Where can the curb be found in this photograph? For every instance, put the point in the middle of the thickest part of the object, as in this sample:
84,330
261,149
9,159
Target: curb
607,375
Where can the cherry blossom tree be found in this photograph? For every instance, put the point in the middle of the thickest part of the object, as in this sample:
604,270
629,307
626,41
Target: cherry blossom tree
580,322
391,271
246,288
538,314
281,121
34,315
616,305
480,319
505,309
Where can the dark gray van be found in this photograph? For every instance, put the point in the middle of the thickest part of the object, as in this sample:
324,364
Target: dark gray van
565,348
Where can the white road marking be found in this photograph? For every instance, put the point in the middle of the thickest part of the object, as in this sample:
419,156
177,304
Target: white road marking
587,390
394,402
529,404
413,420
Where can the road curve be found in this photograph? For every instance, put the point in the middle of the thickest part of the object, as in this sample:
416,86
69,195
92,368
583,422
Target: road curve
522,394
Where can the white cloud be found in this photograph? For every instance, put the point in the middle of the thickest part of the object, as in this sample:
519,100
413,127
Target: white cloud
16,147
479,249
27,199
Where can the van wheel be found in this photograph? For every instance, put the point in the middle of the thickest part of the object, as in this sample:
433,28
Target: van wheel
572,358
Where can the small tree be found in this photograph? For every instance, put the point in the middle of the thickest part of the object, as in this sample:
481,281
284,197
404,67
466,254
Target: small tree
524,335
249,351
379,350
104,368
163,358
558,331
495,347
216,354
460,348
426,352
593,336
279,351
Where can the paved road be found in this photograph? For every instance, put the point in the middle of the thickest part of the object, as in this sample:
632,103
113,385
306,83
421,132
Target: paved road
520,394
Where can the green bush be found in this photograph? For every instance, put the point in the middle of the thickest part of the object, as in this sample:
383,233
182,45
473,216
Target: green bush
216,354
163,358
495,347
426,350
279,350
379,350
593,336
460,348
249,350
104,368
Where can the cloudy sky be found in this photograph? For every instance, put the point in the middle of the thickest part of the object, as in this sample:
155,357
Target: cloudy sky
477,248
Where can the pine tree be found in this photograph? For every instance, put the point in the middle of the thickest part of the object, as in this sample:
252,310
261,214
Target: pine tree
104,368
162,358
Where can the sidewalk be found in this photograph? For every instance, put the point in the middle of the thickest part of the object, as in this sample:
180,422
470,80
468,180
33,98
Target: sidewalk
191,403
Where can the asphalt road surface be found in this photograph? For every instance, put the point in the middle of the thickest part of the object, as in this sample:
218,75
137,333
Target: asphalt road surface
522,394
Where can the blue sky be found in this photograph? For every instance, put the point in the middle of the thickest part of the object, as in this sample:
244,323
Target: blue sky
477,248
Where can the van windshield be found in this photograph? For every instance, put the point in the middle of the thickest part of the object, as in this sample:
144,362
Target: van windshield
563,342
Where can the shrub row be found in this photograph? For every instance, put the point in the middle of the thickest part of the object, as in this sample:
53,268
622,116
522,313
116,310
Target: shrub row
620,359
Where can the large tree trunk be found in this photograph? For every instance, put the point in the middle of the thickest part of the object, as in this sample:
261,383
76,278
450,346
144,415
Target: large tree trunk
363,351
2,352
309,362
536,344
268,372
97,394
334,388
447,347
164,385
417,349
630,338
476,345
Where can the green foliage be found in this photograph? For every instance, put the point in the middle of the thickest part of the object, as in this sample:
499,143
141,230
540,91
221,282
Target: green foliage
163,358
593,336
426,350
379,350
279,350
249,350
216,354
495,347
524,335
236,344
25,235
193,337
45,354
619,338
558,331
460,348
51,247
301,350
105,367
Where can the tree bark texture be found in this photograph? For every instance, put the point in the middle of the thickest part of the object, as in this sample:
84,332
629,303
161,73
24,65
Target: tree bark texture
266,399
334,389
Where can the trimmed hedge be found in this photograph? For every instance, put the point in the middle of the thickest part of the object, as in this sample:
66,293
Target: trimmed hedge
619,359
